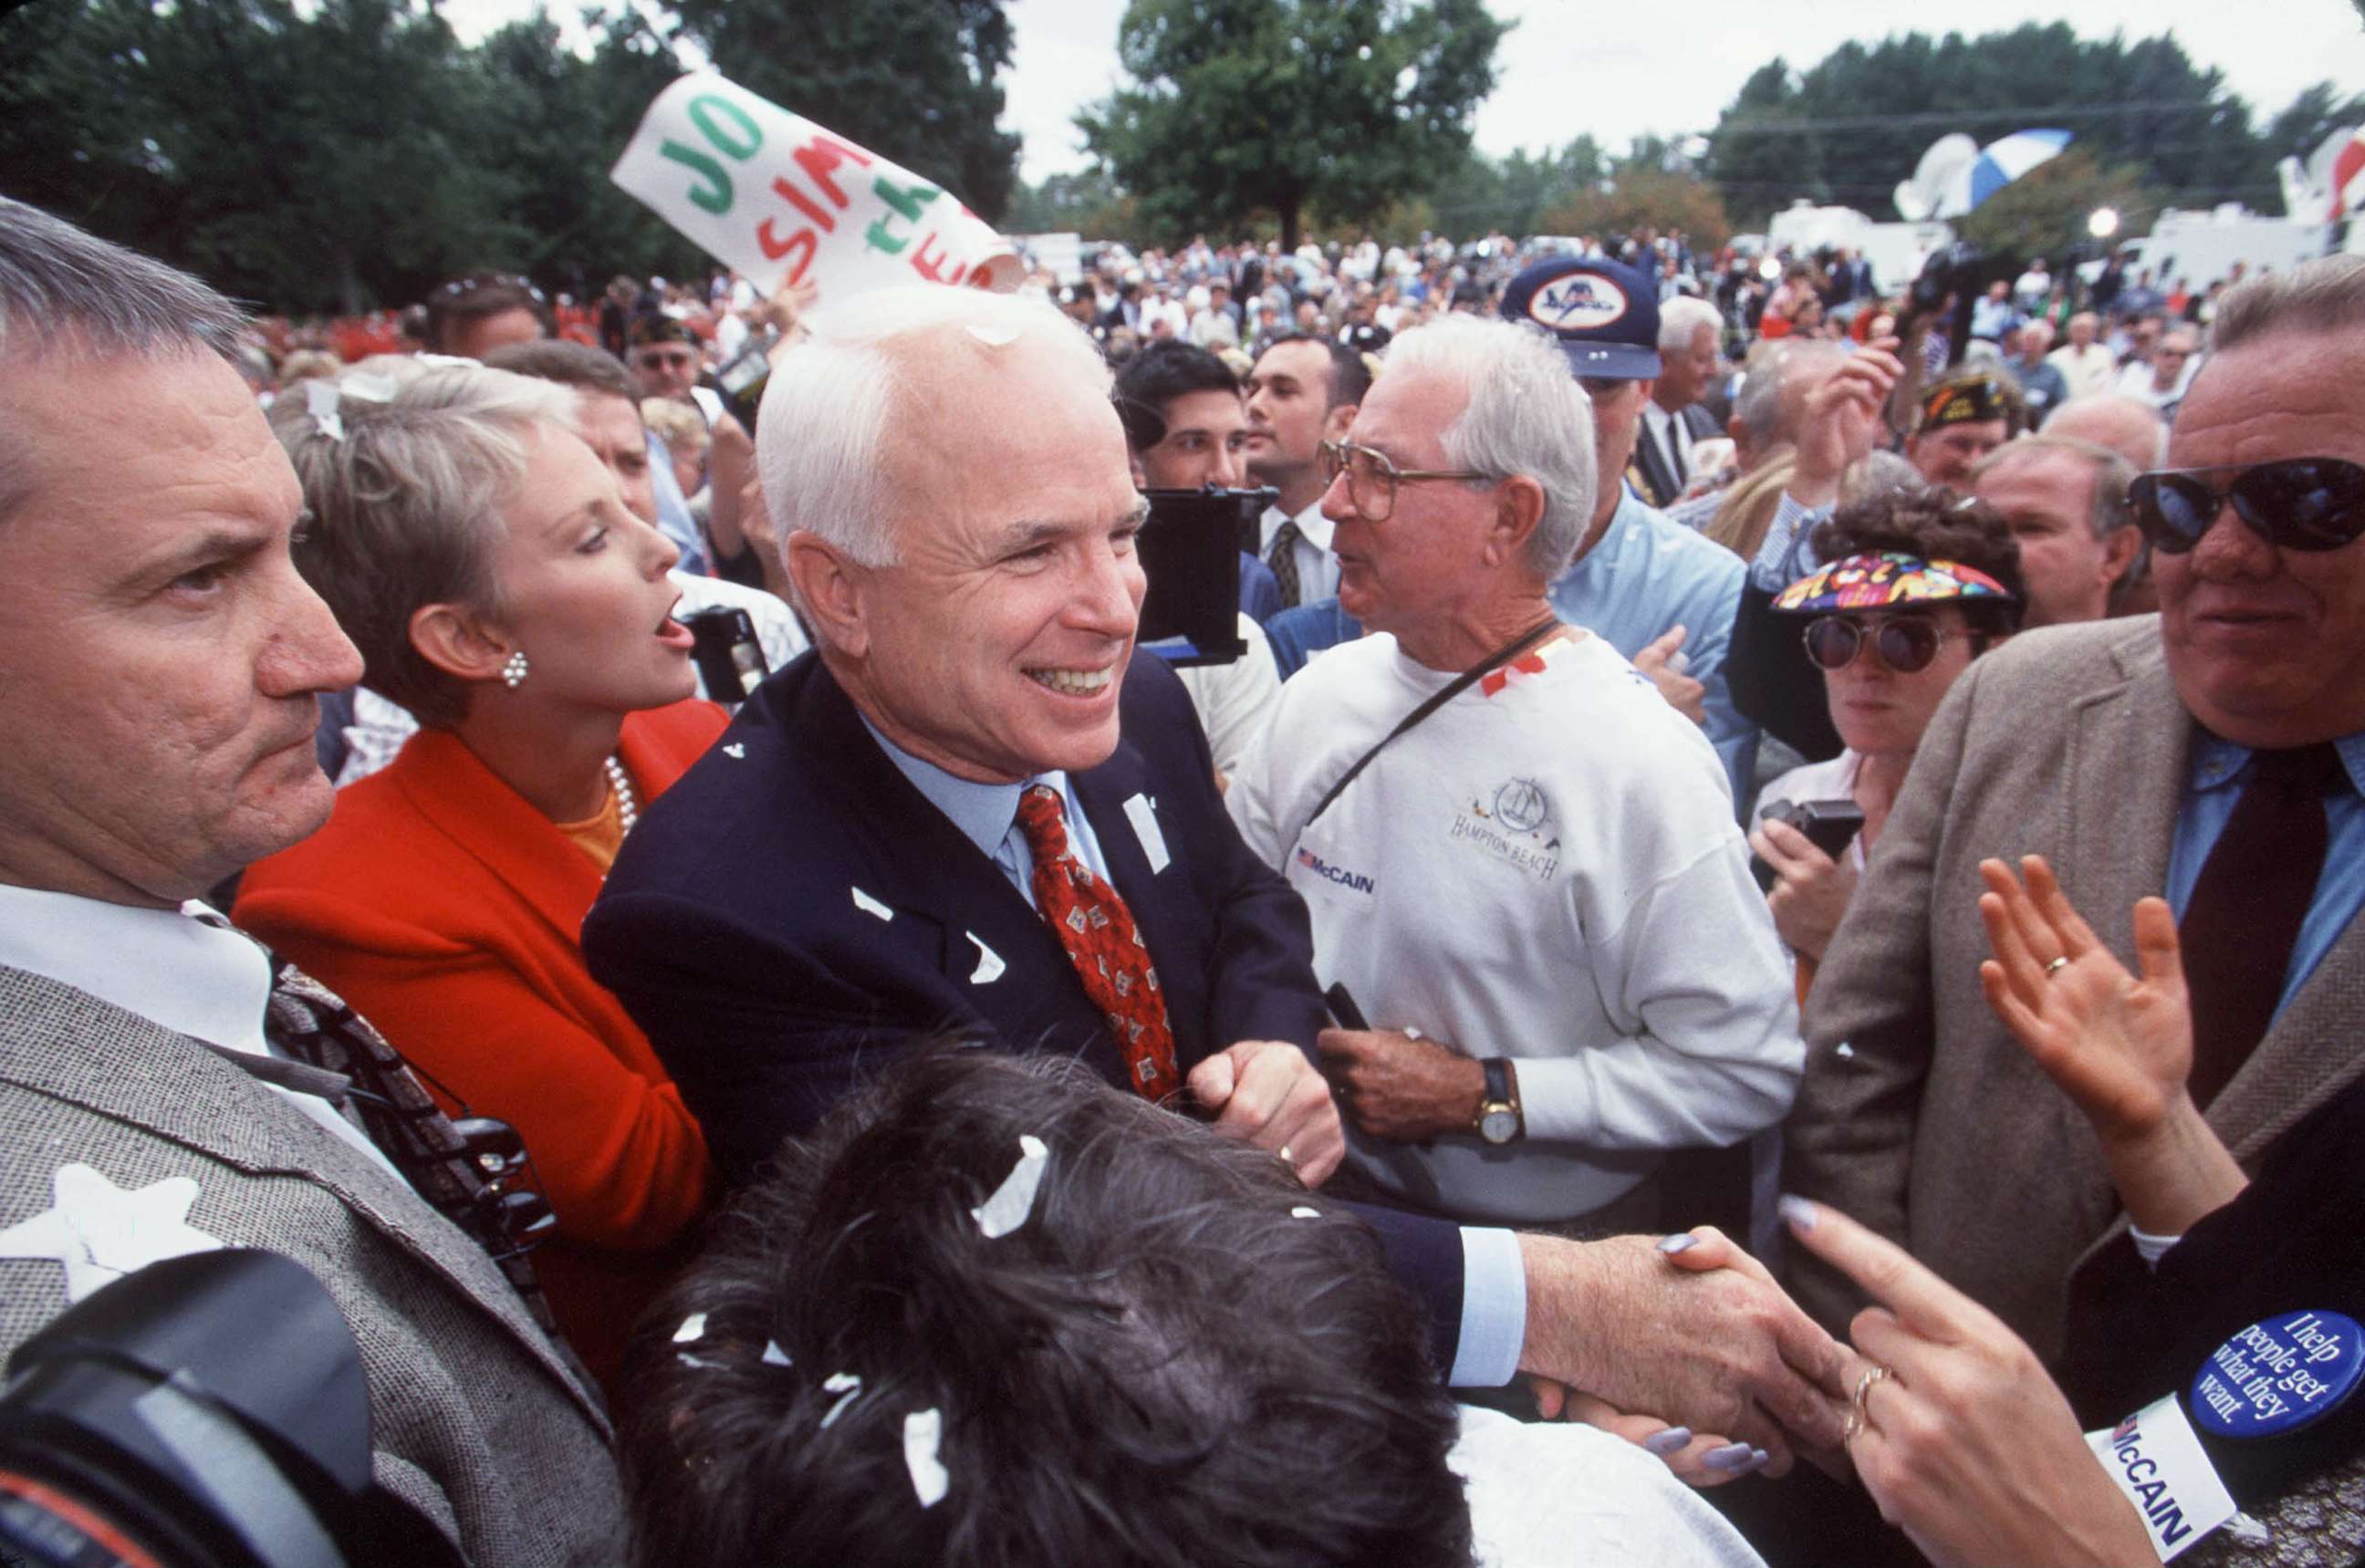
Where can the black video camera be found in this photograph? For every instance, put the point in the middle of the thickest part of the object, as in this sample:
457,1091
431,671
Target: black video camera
1191,553
1830,826
206,1412
1960,271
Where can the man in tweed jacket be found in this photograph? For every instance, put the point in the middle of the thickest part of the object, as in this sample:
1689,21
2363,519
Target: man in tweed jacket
159,658
2114,749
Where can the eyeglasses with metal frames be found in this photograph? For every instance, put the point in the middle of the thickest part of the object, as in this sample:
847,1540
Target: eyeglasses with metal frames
1373,477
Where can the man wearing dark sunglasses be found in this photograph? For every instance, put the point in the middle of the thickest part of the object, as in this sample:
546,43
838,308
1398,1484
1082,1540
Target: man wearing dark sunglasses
2209,756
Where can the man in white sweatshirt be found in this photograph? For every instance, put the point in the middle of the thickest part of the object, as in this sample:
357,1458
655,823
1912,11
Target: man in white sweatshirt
1536,889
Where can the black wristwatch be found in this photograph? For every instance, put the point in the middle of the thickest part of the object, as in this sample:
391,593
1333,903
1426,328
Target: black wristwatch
1498,1120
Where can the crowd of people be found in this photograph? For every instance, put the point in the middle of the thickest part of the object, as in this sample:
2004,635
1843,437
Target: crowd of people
1751,954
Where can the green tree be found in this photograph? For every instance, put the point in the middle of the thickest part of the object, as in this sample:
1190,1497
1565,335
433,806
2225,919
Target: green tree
1852,126
1088,204
250,141
552,122
2315,114
1288,107
1639,196
915,80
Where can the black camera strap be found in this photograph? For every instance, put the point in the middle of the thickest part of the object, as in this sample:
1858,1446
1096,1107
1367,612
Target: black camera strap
1438,699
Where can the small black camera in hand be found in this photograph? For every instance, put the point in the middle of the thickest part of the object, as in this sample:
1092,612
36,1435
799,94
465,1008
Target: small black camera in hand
730,659
1830,826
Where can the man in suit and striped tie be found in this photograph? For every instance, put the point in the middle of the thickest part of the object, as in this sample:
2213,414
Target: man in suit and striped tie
1675,417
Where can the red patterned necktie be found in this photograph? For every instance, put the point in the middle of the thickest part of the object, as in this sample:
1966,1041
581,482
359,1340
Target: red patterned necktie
1097,930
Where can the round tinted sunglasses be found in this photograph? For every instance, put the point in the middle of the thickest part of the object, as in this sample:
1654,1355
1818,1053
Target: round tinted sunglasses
1906,643
2294,503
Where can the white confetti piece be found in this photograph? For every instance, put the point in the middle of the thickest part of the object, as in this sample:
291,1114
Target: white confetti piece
848,1387
923,1431
870,906
693,1329
1302,1212
774,1356
993,337
1011,1202
988,963
735,751
689,1361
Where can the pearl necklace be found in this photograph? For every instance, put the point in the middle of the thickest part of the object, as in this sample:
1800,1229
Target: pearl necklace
627,806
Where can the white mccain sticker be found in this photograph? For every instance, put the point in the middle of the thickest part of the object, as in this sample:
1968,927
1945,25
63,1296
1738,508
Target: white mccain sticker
2157,1461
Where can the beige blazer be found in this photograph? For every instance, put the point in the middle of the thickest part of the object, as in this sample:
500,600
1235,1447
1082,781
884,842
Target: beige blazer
475,1421
1920,1114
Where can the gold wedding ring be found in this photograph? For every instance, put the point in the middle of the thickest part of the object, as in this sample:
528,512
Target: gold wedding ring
2057,966
1858,1416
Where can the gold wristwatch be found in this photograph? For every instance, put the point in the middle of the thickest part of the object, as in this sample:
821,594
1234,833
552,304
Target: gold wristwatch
1499,1120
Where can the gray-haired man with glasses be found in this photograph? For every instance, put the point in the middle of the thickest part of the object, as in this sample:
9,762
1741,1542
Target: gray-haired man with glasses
1521,863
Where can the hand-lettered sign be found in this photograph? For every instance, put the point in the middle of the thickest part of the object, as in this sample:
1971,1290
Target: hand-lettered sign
781,198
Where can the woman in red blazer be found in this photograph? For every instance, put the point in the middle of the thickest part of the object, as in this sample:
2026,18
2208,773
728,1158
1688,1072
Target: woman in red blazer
480,556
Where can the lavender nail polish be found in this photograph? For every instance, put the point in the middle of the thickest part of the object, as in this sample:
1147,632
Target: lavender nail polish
1678,1242
1797,1212
1667,1442
1731,1456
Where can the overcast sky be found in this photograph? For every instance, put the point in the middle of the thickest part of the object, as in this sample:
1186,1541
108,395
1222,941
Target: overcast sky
1578,66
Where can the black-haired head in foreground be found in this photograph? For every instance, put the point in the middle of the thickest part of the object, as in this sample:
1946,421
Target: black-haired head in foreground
1181,1357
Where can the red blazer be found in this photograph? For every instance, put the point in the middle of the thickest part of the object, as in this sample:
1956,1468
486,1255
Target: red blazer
446,910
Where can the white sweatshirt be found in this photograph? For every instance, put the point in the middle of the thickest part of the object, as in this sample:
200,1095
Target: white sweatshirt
1546,868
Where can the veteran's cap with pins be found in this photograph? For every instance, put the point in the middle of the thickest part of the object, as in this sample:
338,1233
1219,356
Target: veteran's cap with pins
1605,314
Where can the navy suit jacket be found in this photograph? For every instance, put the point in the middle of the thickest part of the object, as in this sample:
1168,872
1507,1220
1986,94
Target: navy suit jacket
793,913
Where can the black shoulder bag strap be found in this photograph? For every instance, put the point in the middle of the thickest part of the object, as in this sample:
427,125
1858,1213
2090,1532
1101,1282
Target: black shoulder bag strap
1439,698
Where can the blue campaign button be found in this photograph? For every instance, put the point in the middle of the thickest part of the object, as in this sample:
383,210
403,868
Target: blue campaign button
2279,1374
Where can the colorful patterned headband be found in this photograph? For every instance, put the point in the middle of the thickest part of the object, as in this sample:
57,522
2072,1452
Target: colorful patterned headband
1890,576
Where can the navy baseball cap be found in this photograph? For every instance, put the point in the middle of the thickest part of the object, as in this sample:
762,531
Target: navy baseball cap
1606,315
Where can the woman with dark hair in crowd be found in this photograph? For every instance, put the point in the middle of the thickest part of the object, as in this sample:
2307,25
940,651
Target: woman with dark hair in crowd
1920,583
481,557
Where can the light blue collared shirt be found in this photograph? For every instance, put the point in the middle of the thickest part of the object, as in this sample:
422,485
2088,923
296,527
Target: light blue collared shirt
987,814
1493,1278
673,509
1785,555
2220,769
1646,574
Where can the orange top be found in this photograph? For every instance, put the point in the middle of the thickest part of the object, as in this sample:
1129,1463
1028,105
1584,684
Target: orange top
446,910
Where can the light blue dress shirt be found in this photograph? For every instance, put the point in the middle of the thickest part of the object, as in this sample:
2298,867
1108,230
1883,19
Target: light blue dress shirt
987,814
673,509
1493,1277
1646,574
2220,770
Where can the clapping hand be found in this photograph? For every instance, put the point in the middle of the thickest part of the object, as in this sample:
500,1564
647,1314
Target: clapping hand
2121,1046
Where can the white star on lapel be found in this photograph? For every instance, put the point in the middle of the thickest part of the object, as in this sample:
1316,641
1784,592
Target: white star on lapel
100,1232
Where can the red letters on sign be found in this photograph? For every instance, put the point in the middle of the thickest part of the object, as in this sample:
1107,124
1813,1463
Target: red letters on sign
826,153
933,267
816,159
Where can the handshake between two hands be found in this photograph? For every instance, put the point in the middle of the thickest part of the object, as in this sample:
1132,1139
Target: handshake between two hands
1946,1415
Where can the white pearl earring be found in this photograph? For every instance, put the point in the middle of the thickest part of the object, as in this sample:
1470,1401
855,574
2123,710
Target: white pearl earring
513,672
